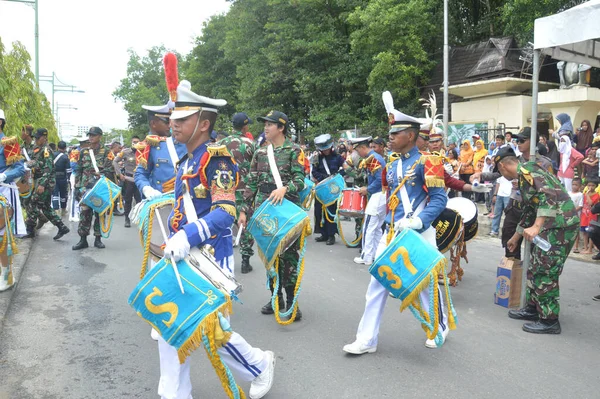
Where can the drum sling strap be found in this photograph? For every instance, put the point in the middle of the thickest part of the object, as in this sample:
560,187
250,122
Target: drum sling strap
274,297
107,217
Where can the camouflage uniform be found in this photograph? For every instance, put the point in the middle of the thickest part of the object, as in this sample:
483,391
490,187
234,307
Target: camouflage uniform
360,180
259,185
85,180
242,149
26,201
109,167
544,195
42,166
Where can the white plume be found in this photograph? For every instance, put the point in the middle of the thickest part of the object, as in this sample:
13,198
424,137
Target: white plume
388,102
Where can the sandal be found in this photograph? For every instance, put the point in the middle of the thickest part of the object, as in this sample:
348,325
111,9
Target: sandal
575,251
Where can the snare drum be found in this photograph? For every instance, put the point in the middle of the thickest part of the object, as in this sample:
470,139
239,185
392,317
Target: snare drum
25,185
276,228
102,196
329,190
448,227
307,195
206,264
468,211
352,204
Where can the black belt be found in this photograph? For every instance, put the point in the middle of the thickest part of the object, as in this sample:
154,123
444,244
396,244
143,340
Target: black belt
128,174
267,188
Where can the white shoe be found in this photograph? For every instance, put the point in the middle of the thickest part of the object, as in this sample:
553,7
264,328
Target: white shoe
154,334
361,261
430,343
5,286
359,348
262,384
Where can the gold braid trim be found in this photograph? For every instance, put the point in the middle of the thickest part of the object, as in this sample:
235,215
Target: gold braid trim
154,140
230,209
218,150
434,173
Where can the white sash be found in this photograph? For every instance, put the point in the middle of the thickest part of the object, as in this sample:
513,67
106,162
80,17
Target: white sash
25,154
406,203
326,167
94,161
188,204
273,166
58,157
172,152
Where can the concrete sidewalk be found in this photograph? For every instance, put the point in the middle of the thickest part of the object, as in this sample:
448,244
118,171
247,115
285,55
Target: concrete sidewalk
19,263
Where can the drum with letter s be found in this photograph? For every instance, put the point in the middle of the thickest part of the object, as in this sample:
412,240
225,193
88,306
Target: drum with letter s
468,211
352,203
329,190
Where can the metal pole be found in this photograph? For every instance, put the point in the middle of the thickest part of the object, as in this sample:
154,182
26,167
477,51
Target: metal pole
532,148
37,45
445,111
53,110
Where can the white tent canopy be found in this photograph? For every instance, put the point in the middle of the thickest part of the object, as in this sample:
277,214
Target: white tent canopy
572,35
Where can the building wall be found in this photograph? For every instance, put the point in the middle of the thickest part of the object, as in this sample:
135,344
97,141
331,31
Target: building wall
513,111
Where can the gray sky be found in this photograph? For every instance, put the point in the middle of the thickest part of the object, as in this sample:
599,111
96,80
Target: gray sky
85,43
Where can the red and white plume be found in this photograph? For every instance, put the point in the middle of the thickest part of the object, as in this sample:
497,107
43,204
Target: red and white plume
171,74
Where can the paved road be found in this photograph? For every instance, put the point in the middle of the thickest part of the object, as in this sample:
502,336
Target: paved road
70,334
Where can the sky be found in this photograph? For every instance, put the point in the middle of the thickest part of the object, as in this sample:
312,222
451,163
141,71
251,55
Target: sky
85,44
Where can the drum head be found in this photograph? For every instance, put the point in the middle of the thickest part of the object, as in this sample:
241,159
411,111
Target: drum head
447,229
464,206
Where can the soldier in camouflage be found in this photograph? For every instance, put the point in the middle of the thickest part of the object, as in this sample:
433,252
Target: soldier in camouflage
242,149
42,166
548,212
260,186
84,180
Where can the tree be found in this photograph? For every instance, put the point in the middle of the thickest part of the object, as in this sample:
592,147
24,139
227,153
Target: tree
23,103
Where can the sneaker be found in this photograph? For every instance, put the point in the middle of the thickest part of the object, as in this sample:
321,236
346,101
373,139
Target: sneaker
359,348
361,261
494,233
262,384
596,298
430,343
154,334
4,285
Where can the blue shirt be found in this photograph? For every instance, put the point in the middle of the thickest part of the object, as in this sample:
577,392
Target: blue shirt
13,172
415,187
211,201
374,176
334,162
160,168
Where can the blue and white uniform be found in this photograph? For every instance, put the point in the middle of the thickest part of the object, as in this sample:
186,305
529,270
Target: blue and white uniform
160,168
375,211
13,172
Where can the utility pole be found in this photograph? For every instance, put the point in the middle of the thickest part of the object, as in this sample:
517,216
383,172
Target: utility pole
34,3
445,111
59,87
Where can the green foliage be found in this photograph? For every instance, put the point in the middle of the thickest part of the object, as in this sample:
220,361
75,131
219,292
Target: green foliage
23,103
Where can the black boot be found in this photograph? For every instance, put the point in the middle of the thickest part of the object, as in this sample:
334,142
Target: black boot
529,312
246,267
41,222
127,221
322,238
543,326
98,243
289,294
81,244
30,232
268,308
330,240
62,230
596,257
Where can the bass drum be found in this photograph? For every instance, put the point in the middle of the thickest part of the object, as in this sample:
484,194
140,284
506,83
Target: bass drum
448,227
468,211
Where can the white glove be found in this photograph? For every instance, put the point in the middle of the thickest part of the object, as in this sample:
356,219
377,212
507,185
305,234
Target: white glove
480,188
2,177
151,193
414,223
449,169
178,246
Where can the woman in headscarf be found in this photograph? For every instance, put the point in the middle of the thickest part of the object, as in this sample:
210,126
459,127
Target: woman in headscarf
553,153
569,159
566,127
478,164
466,164
583,140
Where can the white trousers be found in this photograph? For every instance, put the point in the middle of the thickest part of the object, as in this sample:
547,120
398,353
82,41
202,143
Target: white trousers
377,295
372,232
567,183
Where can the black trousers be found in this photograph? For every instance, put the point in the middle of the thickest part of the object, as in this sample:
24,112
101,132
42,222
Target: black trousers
130,191
59,194
329,229
512,217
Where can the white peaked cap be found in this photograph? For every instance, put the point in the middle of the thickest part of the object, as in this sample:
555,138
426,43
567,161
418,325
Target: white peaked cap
2,115
188,102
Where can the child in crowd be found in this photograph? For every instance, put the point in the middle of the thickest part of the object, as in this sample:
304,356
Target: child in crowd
488,167
590,198
590,165
577,197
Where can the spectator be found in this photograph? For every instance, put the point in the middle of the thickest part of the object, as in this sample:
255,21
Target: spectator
590,198
500,201
577,198
569,159
509,140
566,127
553,153
452,147
499,144
466,161
478,163
590,165
584,137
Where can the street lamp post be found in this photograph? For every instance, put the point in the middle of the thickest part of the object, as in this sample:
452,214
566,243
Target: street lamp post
58,87
37,36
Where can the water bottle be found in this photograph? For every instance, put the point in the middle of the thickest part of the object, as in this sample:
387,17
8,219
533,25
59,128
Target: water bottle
476,183
541,243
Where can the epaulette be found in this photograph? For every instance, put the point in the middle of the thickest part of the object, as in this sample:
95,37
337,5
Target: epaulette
212,151
527,176
12,150
46,152
110,156
154,140
434,170
74,156
393,156
142,153
301,158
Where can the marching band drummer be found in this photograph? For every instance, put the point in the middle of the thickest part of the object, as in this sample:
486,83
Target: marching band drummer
419,201
375,212
211,177
329,163
11,169
157,155
261,187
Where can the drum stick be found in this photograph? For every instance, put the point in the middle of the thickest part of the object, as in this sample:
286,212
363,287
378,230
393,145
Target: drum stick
164,233
239,235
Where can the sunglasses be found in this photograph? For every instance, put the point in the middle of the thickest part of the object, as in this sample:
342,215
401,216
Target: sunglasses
521,141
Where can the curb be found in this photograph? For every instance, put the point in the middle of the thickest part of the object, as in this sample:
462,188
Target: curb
19,262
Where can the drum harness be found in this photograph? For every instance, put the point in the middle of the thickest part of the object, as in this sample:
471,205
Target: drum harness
106,218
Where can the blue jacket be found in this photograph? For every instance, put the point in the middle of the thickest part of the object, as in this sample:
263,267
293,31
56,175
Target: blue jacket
160,168
13,172
419,188
212,187
374,174
334,161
